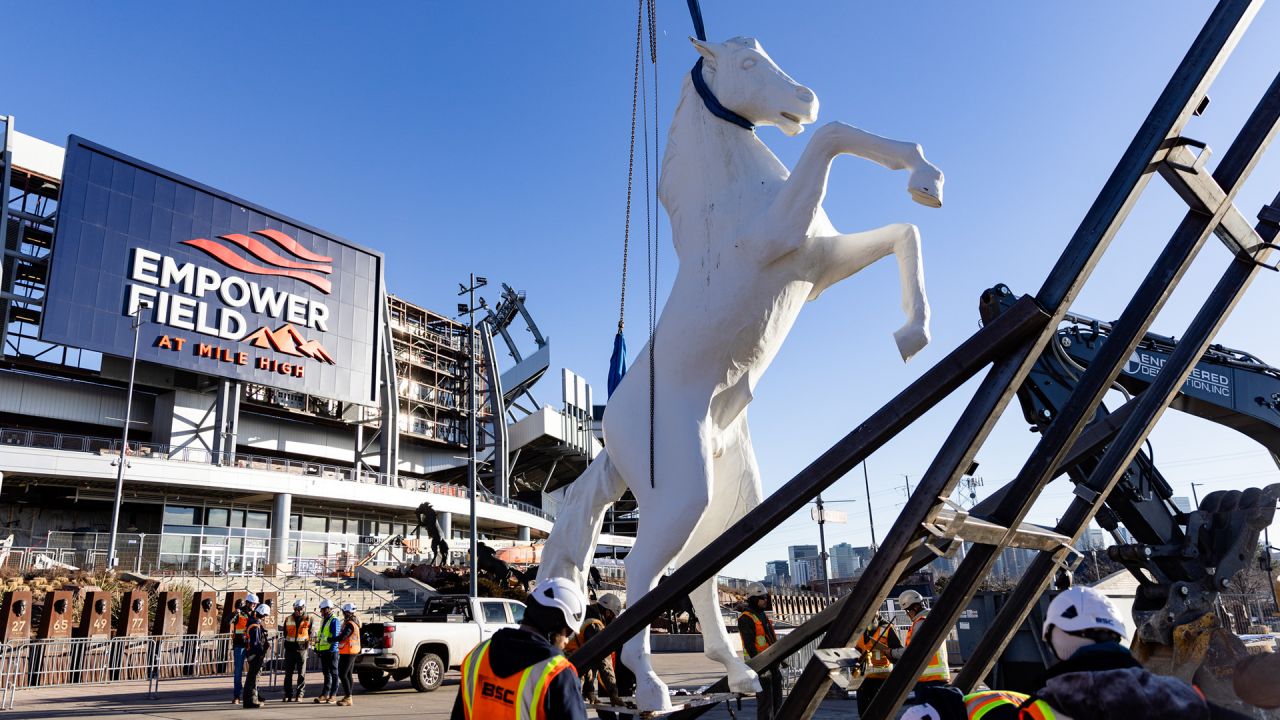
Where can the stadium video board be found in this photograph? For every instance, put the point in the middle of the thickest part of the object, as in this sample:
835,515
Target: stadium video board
223,287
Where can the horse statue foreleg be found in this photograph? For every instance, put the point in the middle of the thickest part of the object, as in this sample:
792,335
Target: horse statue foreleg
839,256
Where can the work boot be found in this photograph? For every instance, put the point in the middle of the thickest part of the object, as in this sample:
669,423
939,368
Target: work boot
321,699
235,700
345,701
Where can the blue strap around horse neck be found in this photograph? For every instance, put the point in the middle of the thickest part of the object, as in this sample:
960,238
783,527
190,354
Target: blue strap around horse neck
713,105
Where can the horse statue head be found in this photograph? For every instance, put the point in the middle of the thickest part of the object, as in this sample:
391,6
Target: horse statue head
747,82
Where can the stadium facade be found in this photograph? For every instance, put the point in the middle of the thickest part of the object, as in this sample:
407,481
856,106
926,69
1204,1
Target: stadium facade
287,410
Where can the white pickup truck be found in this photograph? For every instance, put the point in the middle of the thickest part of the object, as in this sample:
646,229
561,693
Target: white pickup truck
424,647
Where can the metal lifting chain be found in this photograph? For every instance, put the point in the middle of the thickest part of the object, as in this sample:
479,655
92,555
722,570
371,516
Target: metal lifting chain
631,168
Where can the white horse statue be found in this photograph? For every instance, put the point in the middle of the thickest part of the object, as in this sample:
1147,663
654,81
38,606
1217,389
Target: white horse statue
754,245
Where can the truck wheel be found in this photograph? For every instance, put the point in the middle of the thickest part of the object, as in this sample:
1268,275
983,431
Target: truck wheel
372,680
428,672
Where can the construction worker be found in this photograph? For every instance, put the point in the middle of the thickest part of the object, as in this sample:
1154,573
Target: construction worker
946,703
256,646
348,650
239,623
326,637
298,636
877,643
1097,677
523,673
937,672
602,675
757,634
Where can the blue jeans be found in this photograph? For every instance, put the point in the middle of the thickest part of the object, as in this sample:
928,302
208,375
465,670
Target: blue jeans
328,671
237,668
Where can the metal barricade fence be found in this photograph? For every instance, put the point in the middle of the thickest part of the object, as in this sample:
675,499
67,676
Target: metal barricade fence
101,661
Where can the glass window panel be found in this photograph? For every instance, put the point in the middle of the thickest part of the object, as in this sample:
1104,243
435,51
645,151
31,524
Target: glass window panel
494,612
237,518
177,515
517,612
312,523
255,519
311,549
218,517
295,522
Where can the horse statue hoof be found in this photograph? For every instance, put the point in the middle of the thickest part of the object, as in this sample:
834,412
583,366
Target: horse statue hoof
746,682
911,339
653,697
925,186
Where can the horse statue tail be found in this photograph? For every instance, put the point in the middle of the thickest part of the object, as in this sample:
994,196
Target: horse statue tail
572,544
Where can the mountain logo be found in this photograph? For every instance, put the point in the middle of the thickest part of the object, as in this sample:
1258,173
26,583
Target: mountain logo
286,339
304,265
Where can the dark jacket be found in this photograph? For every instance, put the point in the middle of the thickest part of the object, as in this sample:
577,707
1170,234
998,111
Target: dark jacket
256,641
514,649
1105,682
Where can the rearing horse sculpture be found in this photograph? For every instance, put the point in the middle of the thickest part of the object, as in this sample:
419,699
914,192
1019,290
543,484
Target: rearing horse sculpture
754,245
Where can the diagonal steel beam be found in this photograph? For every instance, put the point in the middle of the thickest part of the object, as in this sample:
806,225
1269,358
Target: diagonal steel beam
992,341
1148,407
1128,331
1180,98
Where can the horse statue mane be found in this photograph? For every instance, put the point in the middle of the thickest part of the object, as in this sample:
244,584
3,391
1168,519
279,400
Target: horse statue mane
754,245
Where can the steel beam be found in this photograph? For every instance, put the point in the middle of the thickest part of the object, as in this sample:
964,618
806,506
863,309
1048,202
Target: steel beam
1128,331
991,341
1152,143
1148,408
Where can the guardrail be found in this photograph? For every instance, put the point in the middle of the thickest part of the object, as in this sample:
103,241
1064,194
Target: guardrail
108,447
38,664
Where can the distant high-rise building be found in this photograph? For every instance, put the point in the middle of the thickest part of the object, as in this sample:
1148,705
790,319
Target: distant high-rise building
843,562
1092,539
1182,502
804,564
777,573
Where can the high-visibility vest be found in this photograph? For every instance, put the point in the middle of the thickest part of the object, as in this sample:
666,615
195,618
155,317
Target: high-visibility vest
325,639
878,662
351,645
937,669
521,696
579,639
762,639
979,704
297,630
241,624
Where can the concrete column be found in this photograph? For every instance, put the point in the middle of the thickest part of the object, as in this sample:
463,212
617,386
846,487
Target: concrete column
445,521
523,535
281,508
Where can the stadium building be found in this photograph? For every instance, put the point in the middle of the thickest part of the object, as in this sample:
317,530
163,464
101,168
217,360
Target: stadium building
287,410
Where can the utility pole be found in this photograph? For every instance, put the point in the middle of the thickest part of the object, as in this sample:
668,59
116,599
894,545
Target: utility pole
472,476
906,479
124,439
866,484
822,554
1194,497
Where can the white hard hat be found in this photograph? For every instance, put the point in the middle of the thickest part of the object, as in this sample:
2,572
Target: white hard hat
325,604
921,712
610,602
909,598
348,607
251,598
756,589
1082,608
563,595
263,609
299,604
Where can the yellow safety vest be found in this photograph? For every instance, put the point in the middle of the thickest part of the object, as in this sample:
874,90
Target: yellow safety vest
485,696
325,639
978,704
937,669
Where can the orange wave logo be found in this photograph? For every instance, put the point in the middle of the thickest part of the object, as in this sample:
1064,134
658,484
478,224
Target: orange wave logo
304,264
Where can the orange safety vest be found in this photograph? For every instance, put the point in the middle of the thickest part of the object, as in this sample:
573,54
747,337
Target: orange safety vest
241,624
762,640
579,639
296,630
878,662
937,669
351,646
485,696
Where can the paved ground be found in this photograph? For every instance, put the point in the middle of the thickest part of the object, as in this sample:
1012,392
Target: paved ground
210,699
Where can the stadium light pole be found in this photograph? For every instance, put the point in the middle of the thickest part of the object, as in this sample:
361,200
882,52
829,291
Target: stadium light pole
472,480
136,321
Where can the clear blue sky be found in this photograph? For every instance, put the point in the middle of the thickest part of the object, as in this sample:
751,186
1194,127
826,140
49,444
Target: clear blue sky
492,137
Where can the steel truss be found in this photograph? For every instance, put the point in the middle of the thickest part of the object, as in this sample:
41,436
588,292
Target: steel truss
1011,343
